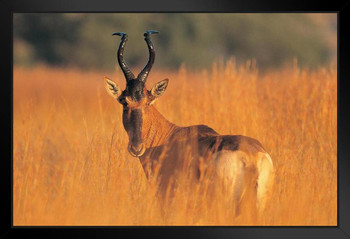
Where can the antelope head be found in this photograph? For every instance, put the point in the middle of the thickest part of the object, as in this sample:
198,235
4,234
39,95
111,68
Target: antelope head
136,99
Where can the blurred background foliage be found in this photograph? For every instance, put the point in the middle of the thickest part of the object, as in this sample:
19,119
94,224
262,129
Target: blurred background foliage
85,40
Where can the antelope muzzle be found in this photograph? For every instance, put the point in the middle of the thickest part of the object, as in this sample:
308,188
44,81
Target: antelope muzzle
136,150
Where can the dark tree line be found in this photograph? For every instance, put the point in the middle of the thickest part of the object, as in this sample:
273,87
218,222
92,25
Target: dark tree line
85,40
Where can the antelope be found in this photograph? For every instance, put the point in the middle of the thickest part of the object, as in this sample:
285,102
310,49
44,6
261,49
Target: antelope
238,160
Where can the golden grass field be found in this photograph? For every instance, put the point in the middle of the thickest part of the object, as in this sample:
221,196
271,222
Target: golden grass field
71,165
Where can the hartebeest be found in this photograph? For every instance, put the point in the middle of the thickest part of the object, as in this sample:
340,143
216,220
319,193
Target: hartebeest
238,160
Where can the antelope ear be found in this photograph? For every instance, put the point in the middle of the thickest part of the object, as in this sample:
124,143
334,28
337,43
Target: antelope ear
112,88
159,88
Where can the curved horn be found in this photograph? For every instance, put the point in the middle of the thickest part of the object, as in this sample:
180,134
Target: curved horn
152,54
120,55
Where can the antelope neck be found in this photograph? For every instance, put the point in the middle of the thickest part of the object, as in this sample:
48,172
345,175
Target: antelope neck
158,130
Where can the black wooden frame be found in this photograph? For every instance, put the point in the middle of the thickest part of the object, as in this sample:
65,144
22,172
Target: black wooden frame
342,8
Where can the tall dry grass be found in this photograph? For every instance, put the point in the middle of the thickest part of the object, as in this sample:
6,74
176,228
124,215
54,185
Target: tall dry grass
71,165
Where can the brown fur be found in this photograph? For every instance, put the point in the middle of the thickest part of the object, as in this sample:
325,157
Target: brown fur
169,152
173,145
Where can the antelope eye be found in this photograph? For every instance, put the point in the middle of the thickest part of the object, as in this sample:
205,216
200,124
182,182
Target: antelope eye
122,101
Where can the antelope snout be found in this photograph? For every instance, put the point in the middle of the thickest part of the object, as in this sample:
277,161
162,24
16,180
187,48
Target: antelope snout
136,150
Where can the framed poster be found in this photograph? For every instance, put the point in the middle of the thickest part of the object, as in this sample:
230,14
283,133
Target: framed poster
262,88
